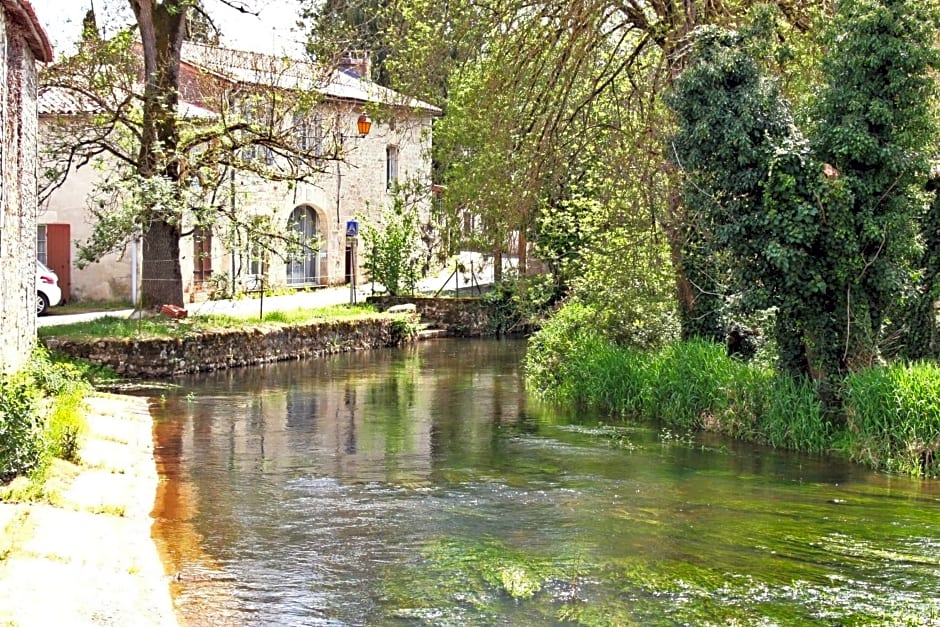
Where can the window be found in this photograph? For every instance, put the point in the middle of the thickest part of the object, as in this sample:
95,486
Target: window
254,263
391,167
202,255
308,133
42,244
302,268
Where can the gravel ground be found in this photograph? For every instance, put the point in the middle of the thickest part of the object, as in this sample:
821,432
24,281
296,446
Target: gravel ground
90,559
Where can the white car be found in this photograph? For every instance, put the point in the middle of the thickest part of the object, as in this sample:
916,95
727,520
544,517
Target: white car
48,293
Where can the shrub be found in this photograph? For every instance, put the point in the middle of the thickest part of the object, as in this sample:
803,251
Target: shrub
517,304
41,414
66,424
392,249
561,348
22,444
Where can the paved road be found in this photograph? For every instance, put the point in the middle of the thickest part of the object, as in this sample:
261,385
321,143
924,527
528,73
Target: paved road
240,307
446,279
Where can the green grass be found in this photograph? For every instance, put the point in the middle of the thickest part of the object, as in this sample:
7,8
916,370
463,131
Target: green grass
160,327
85,306
893,417
890,415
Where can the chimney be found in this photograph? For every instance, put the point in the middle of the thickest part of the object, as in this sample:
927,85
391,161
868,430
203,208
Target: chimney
358,62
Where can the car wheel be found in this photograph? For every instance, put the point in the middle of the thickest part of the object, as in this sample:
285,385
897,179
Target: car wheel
42,304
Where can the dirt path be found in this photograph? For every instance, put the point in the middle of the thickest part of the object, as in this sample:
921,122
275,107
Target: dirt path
90,559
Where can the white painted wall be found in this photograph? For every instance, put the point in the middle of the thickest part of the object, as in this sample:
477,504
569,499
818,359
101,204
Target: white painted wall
363,192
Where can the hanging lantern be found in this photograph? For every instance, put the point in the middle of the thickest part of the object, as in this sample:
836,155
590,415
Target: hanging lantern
364,123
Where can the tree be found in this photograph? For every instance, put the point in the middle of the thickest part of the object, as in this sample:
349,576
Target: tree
340,27
823,229
526,123
167,166
391,248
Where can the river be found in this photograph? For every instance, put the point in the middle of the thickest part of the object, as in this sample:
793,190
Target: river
423,486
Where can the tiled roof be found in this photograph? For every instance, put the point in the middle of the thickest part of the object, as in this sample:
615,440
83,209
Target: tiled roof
263,69
61,101
22,13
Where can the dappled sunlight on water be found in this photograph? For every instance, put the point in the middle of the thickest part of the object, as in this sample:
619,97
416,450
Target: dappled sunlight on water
422,486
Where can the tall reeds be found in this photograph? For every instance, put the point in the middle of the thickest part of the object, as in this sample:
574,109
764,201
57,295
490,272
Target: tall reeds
891,414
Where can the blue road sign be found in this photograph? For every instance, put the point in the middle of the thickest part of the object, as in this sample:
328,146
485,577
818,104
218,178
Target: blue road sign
352,228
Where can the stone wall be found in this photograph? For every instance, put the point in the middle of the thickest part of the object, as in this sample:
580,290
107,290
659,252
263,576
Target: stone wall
233,348
18,191
462,317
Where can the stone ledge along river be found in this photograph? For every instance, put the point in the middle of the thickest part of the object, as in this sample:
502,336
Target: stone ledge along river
424,486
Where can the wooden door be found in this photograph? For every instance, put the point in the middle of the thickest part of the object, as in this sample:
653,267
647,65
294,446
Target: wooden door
59,256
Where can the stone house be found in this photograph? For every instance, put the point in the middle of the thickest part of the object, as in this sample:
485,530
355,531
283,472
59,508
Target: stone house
359,184
23,44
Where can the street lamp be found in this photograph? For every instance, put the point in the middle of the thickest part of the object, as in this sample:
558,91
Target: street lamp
363,125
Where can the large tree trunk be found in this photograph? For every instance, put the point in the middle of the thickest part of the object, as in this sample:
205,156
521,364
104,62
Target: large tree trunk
162,26
162,280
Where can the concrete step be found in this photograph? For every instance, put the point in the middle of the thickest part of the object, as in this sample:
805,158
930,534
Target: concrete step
429,334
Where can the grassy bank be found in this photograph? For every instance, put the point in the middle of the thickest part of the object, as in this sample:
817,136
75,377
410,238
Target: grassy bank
891,418
161,327
41,419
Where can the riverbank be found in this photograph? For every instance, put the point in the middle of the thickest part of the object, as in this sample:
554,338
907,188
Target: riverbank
88,557
889,418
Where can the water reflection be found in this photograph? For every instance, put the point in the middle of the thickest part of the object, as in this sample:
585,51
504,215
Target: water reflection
422,486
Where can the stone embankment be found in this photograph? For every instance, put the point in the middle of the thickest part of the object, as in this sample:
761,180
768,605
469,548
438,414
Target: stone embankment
232,348
220,349
460,317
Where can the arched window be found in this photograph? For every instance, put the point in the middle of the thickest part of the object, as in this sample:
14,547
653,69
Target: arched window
303,267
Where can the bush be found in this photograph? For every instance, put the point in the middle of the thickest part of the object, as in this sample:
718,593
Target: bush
561,348
392,248
519,304
22,443
66,424
41,415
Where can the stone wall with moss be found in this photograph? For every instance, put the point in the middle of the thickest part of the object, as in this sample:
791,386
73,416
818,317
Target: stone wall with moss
233,348
461,317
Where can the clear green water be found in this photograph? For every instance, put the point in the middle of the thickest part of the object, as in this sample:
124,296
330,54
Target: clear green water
423,486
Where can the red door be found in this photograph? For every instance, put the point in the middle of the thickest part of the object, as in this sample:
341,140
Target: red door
59,256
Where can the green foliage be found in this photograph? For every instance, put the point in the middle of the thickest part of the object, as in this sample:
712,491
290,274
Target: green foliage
554,349
66,424
893,416
627,278
65,384
40,415
22,442
833,254
392,248
404,328
892,413
517,304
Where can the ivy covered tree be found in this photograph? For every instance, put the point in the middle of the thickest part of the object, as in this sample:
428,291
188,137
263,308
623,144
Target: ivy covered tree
874,122
823,229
